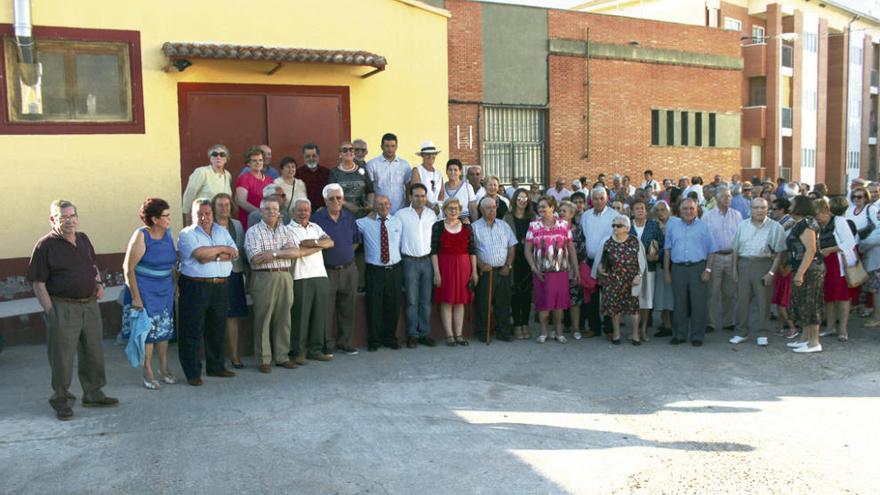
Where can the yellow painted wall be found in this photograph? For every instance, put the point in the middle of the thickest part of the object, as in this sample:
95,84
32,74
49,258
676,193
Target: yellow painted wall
108,175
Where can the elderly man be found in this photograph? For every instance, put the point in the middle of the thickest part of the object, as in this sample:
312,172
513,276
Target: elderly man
206,251
390,173
758,247
416,221
742,198
342,272
382,237
360,152
723,222
709,193
270,247
596,224
474,176
274,191
494,241
67,284
313,174
311,286
268,169
560,192
689,250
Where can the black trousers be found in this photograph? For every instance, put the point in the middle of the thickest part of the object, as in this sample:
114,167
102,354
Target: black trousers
203,308
590,310
500,304
521,292
384,286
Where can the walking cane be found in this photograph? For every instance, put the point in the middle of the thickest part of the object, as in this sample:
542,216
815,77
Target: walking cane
489,310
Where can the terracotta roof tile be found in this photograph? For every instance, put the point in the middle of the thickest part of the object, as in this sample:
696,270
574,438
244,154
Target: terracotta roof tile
175,50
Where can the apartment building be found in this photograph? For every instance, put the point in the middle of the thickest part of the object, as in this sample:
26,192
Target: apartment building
810,81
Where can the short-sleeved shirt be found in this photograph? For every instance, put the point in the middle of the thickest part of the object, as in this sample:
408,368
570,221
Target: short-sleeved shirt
389,178
550,245
311,266
688,242
260,239
315,181
67,270
194,237
433,182
356,185
762,241
344,233
492,242
370,230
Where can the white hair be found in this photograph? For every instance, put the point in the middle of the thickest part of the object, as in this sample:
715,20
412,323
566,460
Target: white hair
624,219
598,191
271,189
330,188
301,200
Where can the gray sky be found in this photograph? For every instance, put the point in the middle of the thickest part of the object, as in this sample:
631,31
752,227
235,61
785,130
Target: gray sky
862,5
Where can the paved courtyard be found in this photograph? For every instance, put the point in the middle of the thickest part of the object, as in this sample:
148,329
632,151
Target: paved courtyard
585,417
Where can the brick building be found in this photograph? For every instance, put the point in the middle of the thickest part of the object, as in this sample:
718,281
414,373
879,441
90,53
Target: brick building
809,89
537,93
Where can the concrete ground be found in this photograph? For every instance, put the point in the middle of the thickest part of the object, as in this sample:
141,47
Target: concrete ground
510,418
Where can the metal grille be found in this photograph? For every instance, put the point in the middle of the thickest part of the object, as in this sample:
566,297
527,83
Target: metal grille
514,143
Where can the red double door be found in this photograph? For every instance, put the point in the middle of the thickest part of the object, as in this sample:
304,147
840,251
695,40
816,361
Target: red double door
240,116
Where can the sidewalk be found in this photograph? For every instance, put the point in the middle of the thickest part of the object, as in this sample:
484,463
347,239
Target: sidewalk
585,417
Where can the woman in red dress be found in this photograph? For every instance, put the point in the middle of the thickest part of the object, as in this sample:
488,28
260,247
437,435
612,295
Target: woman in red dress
249,187
455,269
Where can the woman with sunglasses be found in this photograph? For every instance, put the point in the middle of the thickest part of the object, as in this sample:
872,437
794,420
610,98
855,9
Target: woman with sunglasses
620,269
863,214
357,187
208,181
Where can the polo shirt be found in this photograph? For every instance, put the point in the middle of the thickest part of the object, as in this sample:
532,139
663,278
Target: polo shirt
369,228
194,237
311,266
67,270
344,234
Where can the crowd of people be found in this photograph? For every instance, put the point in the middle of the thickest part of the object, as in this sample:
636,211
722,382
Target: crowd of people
590,259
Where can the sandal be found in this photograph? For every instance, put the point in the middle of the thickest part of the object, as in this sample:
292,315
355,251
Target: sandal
151,384
168,378
450,341
561,339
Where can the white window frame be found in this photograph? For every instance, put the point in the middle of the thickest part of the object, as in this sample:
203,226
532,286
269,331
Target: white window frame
759,34
728,24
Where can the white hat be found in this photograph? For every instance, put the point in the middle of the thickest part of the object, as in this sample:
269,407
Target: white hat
428,148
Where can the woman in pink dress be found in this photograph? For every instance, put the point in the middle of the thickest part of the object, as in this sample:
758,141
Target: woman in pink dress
551,256
249,186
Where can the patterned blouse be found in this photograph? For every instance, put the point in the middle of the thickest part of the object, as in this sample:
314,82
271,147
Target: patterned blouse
550,245
796,248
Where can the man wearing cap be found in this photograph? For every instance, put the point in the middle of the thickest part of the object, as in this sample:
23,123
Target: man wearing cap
742,199
271,191
390,173
426,174
416,221
67,284
342,272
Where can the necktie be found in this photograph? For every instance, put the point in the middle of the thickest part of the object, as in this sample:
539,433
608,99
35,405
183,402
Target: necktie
383,236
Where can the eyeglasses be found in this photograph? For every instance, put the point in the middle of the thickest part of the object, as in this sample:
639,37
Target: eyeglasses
433,185
215,154
618,225
334,198
858,196
347,150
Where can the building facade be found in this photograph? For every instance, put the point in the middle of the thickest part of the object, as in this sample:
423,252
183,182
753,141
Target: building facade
809,100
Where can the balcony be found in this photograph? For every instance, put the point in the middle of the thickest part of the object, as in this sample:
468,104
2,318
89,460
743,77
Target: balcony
754,122
755,60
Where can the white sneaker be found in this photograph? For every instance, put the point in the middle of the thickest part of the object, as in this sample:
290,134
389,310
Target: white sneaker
827,332
577,336
736,339
561,339
763,341
795,345
541,339
805,349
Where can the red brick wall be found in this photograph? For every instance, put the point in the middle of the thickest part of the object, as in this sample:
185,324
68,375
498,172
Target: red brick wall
835,164
464,45
464,132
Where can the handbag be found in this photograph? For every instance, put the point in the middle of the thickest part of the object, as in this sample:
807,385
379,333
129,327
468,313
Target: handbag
866,231
856,275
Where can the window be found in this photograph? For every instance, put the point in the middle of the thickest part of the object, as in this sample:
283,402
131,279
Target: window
811,42
514,143
684,128
757,91
757,155
758,35
670,128
698,128
90,83
712,129
733,24
655,127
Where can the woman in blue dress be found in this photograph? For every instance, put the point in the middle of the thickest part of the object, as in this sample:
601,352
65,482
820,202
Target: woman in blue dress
149,284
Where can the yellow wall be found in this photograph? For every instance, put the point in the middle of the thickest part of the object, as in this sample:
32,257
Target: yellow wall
108,175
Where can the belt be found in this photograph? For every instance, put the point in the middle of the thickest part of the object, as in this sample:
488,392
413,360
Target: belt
755,258
207,280
73,300
382,267
338,267
690,263
725,252
415,257
270,270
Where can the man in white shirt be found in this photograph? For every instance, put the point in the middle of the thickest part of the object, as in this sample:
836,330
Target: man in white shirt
390,173
418,273
697,187
723,222
560,192
475,179
311,286
596,224
650,182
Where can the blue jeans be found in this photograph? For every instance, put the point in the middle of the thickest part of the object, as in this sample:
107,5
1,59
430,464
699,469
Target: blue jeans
418,280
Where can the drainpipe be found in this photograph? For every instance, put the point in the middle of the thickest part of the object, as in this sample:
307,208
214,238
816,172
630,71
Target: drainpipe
21,11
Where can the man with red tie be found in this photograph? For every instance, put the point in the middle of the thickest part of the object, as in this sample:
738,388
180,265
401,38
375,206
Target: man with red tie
381,234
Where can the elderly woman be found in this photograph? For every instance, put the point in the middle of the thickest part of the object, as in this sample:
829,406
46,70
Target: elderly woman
550,253
663,300
493,190
249,187
459,189
647,231
808,277
837,247
149,285
863,214
619,268
568,212
870,250
294,188
208,181
519,218
454,257
222,206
